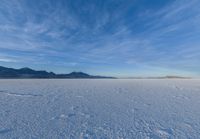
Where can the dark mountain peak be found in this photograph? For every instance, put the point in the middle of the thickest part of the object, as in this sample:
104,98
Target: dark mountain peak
26,68
1,67
78,73
75,74
4,68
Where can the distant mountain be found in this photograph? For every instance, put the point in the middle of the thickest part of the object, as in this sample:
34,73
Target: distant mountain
160,77
30,73
176,77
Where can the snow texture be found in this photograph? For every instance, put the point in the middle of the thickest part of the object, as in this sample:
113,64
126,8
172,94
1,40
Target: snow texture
100,109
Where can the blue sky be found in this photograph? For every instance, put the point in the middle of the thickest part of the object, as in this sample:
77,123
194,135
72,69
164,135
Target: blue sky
106,37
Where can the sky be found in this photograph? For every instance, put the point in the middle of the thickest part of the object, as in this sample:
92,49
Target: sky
122,38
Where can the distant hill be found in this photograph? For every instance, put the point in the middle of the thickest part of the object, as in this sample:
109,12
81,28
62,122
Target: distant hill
161,77
176,77
6,73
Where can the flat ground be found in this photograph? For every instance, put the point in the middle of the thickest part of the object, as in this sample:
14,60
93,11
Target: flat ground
100,109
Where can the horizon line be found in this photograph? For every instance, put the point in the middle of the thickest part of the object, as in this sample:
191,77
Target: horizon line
171,76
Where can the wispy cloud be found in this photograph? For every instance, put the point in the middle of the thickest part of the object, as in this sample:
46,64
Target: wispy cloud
7,60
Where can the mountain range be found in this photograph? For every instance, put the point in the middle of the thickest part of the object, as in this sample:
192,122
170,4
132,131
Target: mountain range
22,73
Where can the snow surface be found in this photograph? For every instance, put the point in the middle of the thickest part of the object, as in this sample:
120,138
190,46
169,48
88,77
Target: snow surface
100,109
